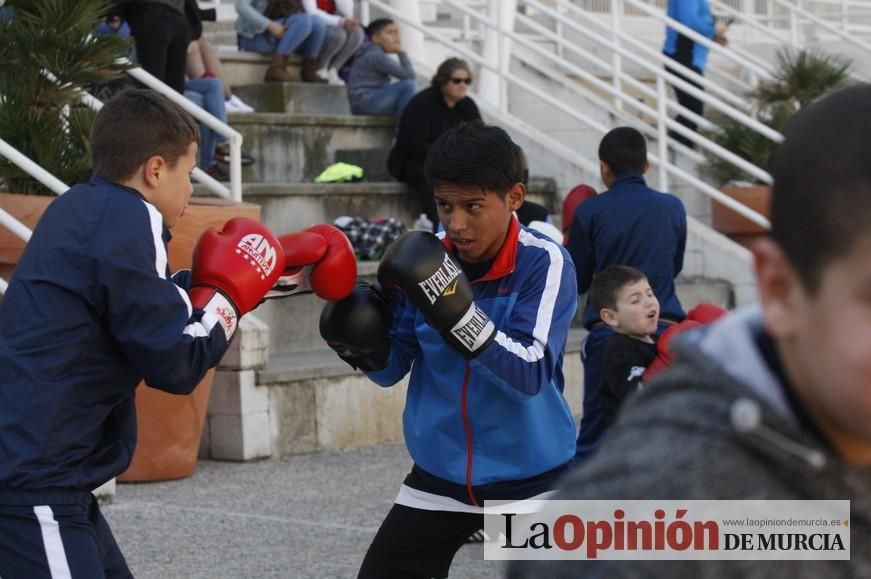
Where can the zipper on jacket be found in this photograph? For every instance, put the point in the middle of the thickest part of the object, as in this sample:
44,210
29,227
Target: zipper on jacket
468,425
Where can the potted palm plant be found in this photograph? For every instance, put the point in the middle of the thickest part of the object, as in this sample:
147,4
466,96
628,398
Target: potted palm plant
801,77
48,55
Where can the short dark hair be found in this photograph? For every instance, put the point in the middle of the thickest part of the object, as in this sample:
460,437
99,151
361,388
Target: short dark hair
376,25
447,69
624,150
608,283
821,198
136,125
474,155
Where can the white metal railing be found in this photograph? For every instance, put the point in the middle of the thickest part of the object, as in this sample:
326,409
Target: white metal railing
203,116
25,164
622,97
506,77
59,187
725,108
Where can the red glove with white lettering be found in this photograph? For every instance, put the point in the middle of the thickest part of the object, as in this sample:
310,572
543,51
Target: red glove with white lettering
320,260
233,269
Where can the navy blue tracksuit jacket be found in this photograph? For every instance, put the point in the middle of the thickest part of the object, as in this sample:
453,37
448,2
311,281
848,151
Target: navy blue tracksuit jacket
630,224
89,312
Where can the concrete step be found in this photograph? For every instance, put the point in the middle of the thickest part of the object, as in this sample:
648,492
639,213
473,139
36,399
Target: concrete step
692,291
317,402
298,147
296,97
247,68
221,33
294,206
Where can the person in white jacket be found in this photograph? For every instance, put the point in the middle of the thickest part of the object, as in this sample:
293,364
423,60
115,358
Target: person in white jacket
344,35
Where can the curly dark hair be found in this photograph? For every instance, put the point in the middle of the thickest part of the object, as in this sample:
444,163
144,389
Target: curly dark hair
446,71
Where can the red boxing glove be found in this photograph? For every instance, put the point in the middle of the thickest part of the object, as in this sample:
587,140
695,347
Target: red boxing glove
233,269
706,313
665,356
320,260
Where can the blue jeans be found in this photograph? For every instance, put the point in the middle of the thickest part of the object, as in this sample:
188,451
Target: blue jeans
301,28
593,419
389,100
208,93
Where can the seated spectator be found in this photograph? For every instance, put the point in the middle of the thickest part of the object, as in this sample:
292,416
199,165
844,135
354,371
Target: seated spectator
432,112
113,24
202,62
344,35
370,91
208,93
280,34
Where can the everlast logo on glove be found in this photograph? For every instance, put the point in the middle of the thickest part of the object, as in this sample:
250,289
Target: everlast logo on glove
438,283
474,329
256,247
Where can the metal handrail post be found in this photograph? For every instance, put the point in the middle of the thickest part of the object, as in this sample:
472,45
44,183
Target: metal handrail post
662,140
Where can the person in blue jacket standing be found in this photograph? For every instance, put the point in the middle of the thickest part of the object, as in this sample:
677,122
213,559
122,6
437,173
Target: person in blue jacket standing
695,14
629,224
481,321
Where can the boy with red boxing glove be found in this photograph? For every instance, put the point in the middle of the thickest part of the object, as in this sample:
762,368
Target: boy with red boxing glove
90,311
624,300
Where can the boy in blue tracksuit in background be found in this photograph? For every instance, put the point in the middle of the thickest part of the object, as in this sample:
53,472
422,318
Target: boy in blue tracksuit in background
629,224
481,324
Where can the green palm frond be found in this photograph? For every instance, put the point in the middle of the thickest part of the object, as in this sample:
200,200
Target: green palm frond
804,76
42,117
801,77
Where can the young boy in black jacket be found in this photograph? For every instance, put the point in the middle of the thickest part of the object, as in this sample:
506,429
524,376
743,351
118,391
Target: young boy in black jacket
625,302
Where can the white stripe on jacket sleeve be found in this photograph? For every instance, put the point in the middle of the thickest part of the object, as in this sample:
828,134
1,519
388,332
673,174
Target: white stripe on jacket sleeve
546,304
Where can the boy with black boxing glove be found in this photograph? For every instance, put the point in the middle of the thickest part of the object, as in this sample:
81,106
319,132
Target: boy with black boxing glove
481,320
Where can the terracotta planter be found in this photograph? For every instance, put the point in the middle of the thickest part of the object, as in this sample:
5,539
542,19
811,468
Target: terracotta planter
169,426
738,227
168,431
26,209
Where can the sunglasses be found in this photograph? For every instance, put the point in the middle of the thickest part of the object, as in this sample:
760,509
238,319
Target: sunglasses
459,80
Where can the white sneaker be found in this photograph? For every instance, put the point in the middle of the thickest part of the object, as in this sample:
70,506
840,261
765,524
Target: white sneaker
322,74
333,78
237,105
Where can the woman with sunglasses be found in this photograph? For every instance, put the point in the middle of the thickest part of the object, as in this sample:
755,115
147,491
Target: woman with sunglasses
431,112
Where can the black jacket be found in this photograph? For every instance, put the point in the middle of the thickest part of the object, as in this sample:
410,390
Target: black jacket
425,119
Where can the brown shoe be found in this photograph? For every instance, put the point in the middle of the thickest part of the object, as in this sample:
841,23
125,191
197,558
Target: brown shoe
309,72
277,71
218,172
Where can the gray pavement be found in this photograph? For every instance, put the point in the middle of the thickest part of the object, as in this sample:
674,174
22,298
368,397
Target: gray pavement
309,516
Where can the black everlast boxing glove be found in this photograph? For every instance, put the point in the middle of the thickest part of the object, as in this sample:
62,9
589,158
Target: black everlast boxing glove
418,265
357,326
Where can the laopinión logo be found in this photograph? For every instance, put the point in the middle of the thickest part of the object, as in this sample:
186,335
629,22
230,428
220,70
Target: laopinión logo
668,530
259,250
